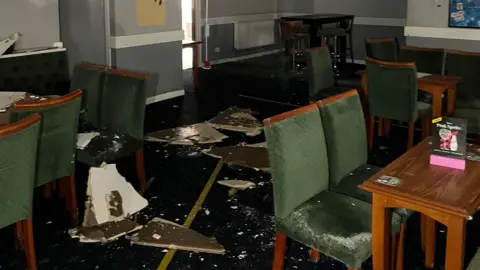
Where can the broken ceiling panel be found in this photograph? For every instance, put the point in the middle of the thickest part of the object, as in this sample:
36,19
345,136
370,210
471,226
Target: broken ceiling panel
105,232
253,157
166,234
189,135
111,197
236,119
237,184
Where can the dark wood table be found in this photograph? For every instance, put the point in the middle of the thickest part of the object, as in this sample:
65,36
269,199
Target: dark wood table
195,54
446,195
316,22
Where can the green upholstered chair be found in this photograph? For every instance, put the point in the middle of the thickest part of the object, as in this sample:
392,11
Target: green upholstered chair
18,157
475,262
120,124
305,209
321,82
89,78
427,60
392,95
57,142
385,49
346,139
467,105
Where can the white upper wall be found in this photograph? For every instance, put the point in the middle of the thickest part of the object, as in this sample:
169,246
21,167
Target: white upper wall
364,8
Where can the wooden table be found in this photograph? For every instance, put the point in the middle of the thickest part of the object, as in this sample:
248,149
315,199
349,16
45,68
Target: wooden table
316,22
436,85
195,50
446,195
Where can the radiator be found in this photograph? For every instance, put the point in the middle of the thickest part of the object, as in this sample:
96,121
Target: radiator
254,34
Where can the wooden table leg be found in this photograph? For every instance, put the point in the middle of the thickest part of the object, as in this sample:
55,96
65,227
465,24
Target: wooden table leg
451,100
381,218
455,243
195,65
430,231
437,103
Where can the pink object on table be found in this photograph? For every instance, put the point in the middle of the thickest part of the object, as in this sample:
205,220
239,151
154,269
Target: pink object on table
448,162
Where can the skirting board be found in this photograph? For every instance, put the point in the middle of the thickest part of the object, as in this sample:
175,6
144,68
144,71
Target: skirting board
234,59
165,96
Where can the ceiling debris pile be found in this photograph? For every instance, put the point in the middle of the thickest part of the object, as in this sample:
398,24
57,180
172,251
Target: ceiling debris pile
237,119
166,234
237,184
244,156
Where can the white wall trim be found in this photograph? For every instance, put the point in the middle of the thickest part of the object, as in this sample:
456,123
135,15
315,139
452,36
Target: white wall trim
271,16
446,33
239,58
165,96
145,39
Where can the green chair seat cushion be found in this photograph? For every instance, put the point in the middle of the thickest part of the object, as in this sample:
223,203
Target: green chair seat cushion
349,186
337,225
467,103
424,109
473,119
328,92
475,262
108,147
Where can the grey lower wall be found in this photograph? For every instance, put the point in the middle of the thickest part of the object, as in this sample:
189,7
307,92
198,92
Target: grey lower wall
38,22
162,61
452,44
222,37
361,32
83,31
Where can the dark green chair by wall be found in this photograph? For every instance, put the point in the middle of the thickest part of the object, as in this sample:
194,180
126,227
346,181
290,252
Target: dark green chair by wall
57,143
18,158
90,79
475,262
392,95
305,210
121,119
427,60
321,82
385,49
467,105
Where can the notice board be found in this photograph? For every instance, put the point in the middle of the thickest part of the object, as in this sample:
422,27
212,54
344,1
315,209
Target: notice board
151,12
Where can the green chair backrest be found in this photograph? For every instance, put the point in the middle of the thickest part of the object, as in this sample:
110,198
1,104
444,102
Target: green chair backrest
319,69
475,262
58,135
385,49
18,155
123,102
427,60
90,79
392,90
465,65
298,157
345,134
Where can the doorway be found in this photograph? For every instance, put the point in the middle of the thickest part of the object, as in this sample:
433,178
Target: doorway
188,27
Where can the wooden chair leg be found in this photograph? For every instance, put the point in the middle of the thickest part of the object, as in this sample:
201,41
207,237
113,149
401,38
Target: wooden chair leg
69,191
279,256
29,245
380,127
371,131
314,255
387,127
430,231
426,126
394,250
47,191
141,170
400,248
18,235
411,133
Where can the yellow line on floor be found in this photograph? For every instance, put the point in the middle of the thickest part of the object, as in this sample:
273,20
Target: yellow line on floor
191,216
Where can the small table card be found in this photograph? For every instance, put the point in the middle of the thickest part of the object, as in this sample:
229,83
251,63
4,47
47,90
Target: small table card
449,142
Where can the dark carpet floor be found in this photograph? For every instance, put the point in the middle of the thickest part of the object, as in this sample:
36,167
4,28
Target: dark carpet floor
243,223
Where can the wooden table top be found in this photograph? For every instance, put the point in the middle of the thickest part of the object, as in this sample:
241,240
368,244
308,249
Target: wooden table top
443,189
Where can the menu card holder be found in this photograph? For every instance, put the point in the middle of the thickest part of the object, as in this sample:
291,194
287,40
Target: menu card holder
449,142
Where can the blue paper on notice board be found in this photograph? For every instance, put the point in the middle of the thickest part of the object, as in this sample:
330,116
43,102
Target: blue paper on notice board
464,13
